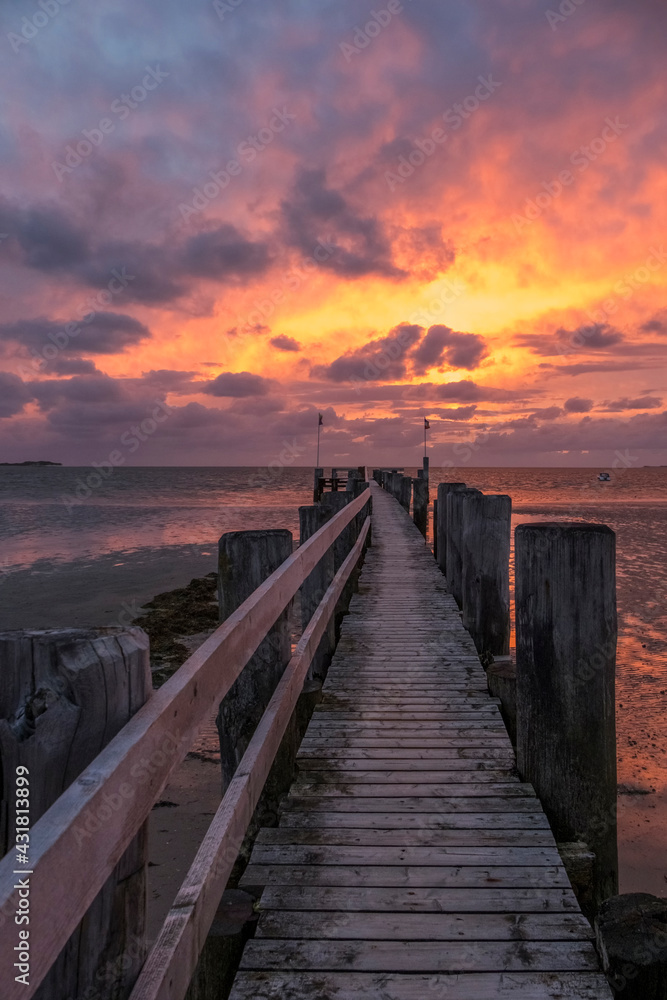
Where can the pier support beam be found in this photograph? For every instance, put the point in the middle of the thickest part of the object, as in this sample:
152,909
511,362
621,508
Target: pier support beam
566,657
454,560
314,587
245,560
420,504
64,695
440,526
631,935
317,490
486,572
405,492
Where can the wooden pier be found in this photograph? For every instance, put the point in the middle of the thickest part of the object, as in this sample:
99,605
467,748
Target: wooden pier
410,860
411,857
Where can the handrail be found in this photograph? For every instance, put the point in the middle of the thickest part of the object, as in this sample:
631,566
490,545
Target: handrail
171,964
77,843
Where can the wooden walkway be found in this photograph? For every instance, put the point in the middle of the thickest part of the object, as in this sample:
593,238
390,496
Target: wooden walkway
410,861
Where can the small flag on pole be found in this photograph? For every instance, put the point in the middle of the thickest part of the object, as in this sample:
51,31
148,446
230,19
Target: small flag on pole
321,420
427,426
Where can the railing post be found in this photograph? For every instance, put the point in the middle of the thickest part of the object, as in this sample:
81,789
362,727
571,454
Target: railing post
566,656
245,560
435,529
342,546
440,529
454,537
317,489
311,519
352,478
64,695
632,945
420,504
405,492
486,571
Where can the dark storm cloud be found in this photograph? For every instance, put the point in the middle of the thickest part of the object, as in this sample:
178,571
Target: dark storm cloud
68,366
547,413
88,389
467,391
170,380
106,333
594,337
656,325
312,211
223,253
43,237
578,405
14,394
283,343
640,403
237,384
382,359
442,346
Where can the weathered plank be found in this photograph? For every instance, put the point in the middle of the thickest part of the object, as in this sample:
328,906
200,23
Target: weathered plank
297,854
454,985
409,877
445,900
407,838
420,956
342,925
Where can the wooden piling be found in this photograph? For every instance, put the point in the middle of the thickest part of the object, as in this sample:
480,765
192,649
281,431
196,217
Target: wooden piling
317,488
342,547
420,504
405,492
566,654
425,468
64,695
311,519
233,925
440,529
485,565
245,560
435,529
631,935
454,536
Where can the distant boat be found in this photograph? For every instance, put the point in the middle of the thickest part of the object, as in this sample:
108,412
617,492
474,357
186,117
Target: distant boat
604,477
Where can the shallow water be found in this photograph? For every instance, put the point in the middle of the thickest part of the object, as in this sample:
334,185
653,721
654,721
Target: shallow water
147,530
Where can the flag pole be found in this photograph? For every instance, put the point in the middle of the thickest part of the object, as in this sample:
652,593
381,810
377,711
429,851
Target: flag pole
425,426
319,424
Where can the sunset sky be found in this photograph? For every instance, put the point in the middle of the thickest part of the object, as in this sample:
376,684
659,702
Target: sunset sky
218,219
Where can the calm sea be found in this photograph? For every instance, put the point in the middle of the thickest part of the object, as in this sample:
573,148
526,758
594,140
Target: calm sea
73,560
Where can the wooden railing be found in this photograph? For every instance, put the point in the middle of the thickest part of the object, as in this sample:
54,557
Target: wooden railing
66,877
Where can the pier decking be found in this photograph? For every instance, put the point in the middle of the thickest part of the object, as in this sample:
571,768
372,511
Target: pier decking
410,860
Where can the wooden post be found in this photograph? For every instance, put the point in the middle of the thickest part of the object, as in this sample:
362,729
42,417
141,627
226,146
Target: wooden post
425,468
485,582
220,958
64,695
245,560
435,529
454,537
352,478
566,657
632,943
405,492
420,504
317,490
314,587
441,529
341,547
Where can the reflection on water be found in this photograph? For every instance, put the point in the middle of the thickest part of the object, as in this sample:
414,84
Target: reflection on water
140,509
